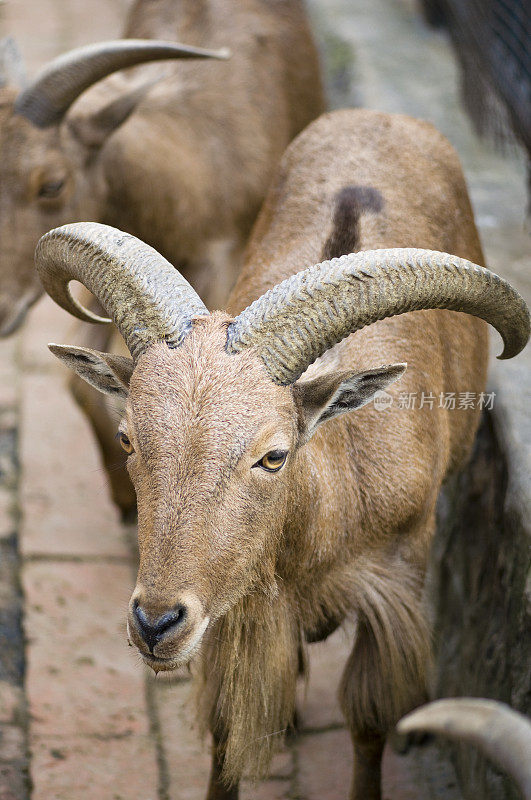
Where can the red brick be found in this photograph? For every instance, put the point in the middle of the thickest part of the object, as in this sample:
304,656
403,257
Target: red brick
12,745
86,768
282,764
82,678
267,790
11,698
12,782
325,765
187,757
318,706
64,496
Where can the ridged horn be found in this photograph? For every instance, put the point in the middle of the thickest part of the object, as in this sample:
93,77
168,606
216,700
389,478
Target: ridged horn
499,732
299,319
144,295
50,95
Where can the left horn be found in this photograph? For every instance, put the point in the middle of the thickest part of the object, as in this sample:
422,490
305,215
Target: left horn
299,319
499,732
48,98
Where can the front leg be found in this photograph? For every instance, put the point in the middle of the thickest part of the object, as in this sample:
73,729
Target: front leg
217,789
367,764
386,673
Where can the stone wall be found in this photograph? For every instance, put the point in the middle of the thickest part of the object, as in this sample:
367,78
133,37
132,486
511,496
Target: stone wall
14,782
481,573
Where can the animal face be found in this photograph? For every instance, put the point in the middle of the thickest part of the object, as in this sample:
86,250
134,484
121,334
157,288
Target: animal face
213,450
41,185
211,442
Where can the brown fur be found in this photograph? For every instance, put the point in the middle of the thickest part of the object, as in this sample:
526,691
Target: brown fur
343,530
187,170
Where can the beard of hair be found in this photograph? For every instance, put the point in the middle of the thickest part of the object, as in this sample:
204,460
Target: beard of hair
247,680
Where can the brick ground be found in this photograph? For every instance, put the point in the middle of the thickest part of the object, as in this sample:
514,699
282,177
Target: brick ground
99,727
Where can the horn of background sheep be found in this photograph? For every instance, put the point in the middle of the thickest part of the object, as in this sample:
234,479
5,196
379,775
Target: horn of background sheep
299,319
499,732
145,296
48,98
12,70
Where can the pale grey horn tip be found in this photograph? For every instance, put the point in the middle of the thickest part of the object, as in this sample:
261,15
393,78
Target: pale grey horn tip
515,345
175,48
224,53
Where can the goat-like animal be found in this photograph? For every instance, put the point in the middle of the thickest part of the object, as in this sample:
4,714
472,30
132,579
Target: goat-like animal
54,166
179,155
260,527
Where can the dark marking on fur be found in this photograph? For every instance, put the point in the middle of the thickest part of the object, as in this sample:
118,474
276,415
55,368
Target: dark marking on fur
351,203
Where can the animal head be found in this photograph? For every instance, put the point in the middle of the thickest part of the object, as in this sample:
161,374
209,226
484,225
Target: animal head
49,172
217,415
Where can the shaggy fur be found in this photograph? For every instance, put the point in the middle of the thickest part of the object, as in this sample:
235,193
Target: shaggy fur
249,671
262,560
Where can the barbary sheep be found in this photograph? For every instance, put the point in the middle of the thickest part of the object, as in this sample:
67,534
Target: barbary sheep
267,516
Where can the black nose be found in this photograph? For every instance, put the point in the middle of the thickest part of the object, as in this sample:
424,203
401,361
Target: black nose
153,631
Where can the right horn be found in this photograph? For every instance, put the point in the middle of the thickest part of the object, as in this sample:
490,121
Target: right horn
147,298
48,98
499,732
294,323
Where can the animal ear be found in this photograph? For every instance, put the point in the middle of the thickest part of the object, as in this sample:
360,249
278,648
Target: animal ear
94,130
325,397
106,372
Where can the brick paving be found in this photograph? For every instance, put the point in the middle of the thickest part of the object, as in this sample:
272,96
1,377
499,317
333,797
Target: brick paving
76,705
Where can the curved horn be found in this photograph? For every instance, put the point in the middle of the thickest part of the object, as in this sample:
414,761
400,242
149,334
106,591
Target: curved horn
48,98
499,732
146,297
299,319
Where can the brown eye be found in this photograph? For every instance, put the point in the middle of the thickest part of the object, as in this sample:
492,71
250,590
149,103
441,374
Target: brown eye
125,443
51,189
273,460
